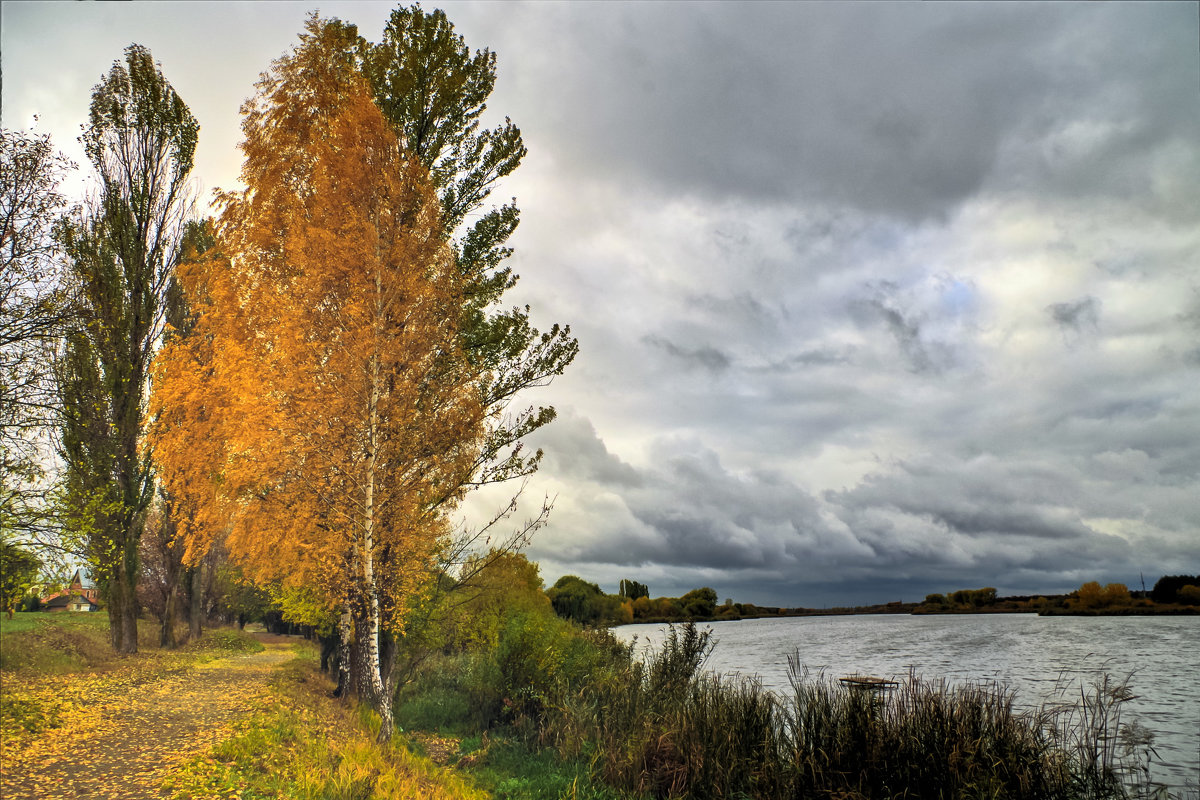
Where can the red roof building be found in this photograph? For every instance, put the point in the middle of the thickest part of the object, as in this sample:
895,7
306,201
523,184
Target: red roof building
81,595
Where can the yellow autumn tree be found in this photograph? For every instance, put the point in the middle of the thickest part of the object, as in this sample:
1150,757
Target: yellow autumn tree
320,415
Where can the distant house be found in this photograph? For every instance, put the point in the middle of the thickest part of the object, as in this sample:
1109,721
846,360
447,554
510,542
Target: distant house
81,595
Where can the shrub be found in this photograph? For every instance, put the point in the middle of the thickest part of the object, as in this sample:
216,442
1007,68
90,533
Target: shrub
1189,595
1166,589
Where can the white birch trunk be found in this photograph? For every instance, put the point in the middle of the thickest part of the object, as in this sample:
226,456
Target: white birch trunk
381,697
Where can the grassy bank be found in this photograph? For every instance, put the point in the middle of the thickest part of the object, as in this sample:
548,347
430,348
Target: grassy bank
301,743
507,670
663,728
534,708
296,742
38,643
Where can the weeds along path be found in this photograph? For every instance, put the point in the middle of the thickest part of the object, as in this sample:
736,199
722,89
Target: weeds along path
117,734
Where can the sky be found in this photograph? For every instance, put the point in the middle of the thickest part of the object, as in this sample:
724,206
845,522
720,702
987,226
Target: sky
873,299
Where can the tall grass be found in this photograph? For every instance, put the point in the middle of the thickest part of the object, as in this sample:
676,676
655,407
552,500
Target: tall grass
666,728
300,743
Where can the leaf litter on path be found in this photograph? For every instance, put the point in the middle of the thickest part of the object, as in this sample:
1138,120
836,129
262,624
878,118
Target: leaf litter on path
121,732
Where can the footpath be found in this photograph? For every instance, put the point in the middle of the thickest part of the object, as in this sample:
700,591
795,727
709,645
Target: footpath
120,732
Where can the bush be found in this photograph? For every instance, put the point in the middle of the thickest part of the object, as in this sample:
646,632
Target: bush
1189,595
1166,589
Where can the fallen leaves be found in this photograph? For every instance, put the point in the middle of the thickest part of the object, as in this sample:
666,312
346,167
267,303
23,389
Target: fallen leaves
120,733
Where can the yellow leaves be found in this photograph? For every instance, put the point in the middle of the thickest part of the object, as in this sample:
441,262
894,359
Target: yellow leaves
125,729
320,408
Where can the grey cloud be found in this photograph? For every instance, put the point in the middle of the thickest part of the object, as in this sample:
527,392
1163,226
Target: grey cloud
573,449
704,356
1076,316
817,357
907,325
904,110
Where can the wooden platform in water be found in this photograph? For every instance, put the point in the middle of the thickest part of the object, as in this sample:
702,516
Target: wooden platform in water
867,682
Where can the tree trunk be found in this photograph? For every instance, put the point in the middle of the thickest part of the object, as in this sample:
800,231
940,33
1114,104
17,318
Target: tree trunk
380,698
128,576
129,624
116,613
197,602
345,634
166,636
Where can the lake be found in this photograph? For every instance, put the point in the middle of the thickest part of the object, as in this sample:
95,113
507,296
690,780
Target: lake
1029,653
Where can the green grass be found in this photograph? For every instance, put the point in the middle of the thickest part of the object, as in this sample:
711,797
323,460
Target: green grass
60,642
302,744
510,770
36,642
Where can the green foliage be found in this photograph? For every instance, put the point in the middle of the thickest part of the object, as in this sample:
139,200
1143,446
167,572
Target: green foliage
503,657
31,318
19,570
700,602
633,590
973,598
300,605
494,587
433,91
586,604
576,599
140,139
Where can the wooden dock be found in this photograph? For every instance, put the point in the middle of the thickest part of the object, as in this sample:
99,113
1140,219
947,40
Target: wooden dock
865,682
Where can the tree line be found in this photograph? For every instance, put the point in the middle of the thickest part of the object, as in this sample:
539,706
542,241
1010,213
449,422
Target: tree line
299,391
1171,594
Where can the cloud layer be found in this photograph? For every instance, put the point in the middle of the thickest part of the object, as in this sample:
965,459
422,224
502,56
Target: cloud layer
874,299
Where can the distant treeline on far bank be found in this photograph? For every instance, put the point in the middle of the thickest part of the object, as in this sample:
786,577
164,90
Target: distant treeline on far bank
586,603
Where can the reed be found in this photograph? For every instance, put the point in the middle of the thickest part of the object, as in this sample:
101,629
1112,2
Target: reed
665,728
662,726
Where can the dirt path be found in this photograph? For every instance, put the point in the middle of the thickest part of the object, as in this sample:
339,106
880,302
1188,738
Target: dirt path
134,726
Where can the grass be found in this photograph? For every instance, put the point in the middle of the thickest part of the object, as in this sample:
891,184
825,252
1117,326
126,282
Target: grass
303,744
297,743
40,643
62,642
511,770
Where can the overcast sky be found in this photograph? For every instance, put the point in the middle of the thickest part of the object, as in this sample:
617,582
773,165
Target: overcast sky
873,299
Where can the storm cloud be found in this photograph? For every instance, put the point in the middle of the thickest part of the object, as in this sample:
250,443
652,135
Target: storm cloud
873,299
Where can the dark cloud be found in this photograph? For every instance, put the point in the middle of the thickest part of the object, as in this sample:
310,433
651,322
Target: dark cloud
822,260
902,109
1076,317
907,318
704,356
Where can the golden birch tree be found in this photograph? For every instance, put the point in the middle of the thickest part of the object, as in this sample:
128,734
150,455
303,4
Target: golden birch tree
321,415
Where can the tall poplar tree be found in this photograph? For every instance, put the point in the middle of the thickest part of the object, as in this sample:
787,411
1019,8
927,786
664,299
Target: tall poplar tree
434,92
140,139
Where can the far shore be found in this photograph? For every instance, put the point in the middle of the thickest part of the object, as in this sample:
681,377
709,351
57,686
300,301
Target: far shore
918,609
